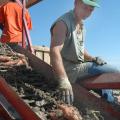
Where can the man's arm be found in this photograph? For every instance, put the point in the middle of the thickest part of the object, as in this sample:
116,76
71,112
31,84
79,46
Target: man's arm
96,60
58,35
87,56
57,40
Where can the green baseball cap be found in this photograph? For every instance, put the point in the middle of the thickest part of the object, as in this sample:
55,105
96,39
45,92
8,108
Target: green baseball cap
93,3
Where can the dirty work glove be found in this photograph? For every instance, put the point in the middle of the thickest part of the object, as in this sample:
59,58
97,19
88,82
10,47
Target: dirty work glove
65,91
99,61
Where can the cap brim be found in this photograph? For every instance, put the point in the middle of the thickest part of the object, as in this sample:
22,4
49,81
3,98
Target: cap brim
91,3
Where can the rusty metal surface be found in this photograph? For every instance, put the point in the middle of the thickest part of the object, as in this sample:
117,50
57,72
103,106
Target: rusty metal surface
107,80
30,3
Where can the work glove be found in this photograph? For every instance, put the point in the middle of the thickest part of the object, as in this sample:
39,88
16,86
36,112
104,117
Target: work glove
99,61
65,91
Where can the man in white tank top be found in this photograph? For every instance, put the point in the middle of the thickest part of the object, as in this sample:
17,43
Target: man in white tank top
69,58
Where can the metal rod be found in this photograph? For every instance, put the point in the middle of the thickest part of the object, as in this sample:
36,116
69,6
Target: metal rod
25,32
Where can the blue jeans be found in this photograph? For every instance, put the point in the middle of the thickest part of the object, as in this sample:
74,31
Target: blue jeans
93,69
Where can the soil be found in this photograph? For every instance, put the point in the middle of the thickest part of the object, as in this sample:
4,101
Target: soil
38,92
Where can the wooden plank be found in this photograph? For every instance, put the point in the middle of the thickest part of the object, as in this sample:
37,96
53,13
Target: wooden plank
107,81
42,48
85,98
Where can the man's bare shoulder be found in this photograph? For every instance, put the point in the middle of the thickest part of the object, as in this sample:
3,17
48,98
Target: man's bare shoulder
60,28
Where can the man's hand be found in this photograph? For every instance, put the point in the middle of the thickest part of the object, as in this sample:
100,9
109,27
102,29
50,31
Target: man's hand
65,90
99,61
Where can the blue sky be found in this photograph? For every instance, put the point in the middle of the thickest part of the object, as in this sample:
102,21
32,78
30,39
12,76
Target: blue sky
103,26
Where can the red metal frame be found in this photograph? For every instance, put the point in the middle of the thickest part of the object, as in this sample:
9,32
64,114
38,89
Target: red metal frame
24,110
25,32
103,81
